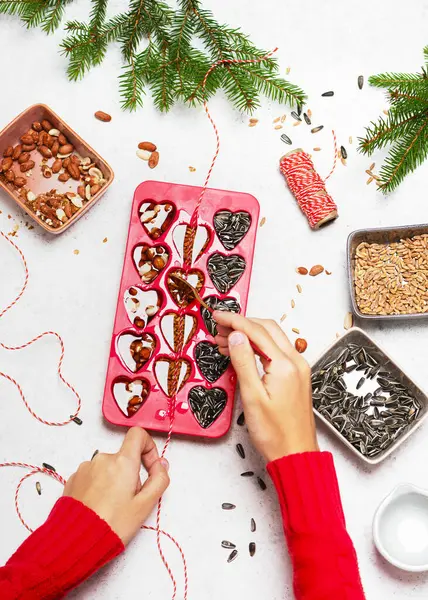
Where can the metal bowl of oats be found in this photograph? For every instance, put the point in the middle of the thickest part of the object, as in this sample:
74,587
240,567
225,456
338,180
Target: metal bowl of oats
388,272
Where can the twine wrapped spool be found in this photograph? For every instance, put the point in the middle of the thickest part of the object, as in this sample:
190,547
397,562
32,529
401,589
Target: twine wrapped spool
308,188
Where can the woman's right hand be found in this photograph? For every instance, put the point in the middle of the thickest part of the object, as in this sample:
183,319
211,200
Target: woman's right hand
278,406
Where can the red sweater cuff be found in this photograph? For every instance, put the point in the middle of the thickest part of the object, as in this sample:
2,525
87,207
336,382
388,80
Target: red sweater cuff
308,491
72,544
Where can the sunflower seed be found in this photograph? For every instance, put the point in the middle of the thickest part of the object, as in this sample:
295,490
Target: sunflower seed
247,474
252,548
360,81
360,382
228,506
295,116
316,129
307,119
228,545
76,419
241,419
327,94
48,467
232,556
343,152
261,483
94,454
253,526
286,139
240,450
38,488
299,109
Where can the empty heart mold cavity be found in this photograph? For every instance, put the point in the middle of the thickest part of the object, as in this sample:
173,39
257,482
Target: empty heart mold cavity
150,261
130,395
207,404
190,243
231,227
226,304
157,218
178,329
180,293
135,350
141,306
172,374
210,361
225,271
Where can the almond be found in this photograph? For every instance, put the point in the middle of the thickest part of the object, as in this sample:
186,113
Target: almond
95,189
55,148
37,126
17,152
35,136
62,139
41,140
28,147
74,171
49,141
147,146
66,162
24,157
27,166
302,270
46,125
102,116
64,177
66,149
57,166
154,160
8,152
20,181
316,270
10,175
6,164
300,344
81,191
27,139
45,152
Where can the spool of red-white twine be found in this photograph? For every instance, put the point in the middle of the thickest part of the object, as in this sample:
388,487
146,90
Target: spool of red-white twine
308,188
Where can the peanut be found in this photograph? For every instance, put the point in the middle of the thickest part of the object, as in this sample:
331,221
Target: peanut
46,125
62,139
147,146
154,160
102,116
27,166
45,152
55,148
66,149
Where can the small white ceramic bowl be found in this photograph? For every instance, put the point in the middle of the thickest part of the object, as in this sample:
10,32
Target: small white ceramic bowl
400,528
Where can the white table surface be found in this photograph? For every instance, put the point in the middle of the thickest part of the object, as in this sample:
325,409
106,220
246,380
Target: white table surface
327,45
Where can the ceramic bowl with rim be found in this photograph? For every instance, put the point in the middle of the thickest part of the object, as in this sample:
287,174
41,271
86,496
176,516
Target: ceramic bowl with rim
358,336
400,528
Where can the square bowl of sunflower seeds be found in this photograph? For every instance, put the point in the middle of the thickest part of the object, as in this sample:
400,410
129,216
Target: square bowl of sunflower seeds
364,397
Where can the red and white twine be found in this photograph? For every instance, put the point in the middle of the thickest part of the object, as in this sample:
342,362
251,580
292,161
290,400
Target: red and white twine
308,187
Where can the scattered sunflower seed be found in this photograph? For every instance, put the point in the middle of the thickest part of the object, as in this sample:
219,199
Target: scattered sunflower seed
372,166
360,382
360,81
317,149
295,115
262,222
38,488
369,180
343,152
48,467
94,454
232,555
76,419
295,330
316,129
283,118
293,304
284,316
299,109
241,419
307,119
286,139
228,545
253,525
228,506
261,483
277,120
247,474
278,126
252,548
327,94
240,450
299,288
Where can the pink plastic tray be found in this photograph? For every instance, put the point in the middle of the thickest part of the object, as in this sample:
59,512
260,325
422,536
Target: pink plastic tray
154,412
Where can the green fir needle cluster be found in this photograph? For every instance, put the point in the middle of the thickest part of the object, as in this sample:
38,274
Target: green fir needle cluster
165,51
405,128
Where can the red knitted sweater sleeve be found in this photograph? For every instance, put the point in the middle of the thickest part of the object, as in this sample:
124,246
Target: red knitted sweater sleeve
72,544
323,556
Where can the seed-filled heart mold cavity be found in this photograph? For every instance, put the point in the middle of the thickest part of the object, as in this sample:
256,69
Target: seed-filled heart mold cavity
141,306
225,271
157,217
180,293
207,404
150,261
172,374
130,394
226,304
191,242
231,227
212,364
135,350
178,329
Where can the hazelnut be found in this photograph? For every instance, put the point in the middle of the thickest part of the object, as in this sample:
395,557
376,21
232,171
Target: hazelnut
158,263
300,344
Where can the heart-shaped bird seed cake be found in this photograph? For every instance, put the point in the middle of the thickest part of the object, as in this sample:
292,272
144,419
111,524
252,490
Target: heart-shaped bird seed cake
135,350
180,293
231,227
141,306
130,395
172,374
210,361
157,218
226,304
207,404
150,261
225,271
190,242
178,329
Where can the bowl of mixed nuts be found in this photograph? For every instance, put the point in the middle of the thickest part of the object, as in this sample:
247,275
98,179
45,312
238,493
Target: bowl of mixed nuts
49,170
388,272
364,397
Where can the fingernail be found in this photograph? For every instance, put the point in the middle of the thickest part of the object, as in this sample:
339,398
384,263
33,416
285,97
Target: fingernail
164,463
236,338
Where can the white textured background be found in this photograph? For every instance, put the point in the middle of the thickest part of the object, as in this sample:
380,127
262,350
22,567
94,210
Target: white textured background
327,45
